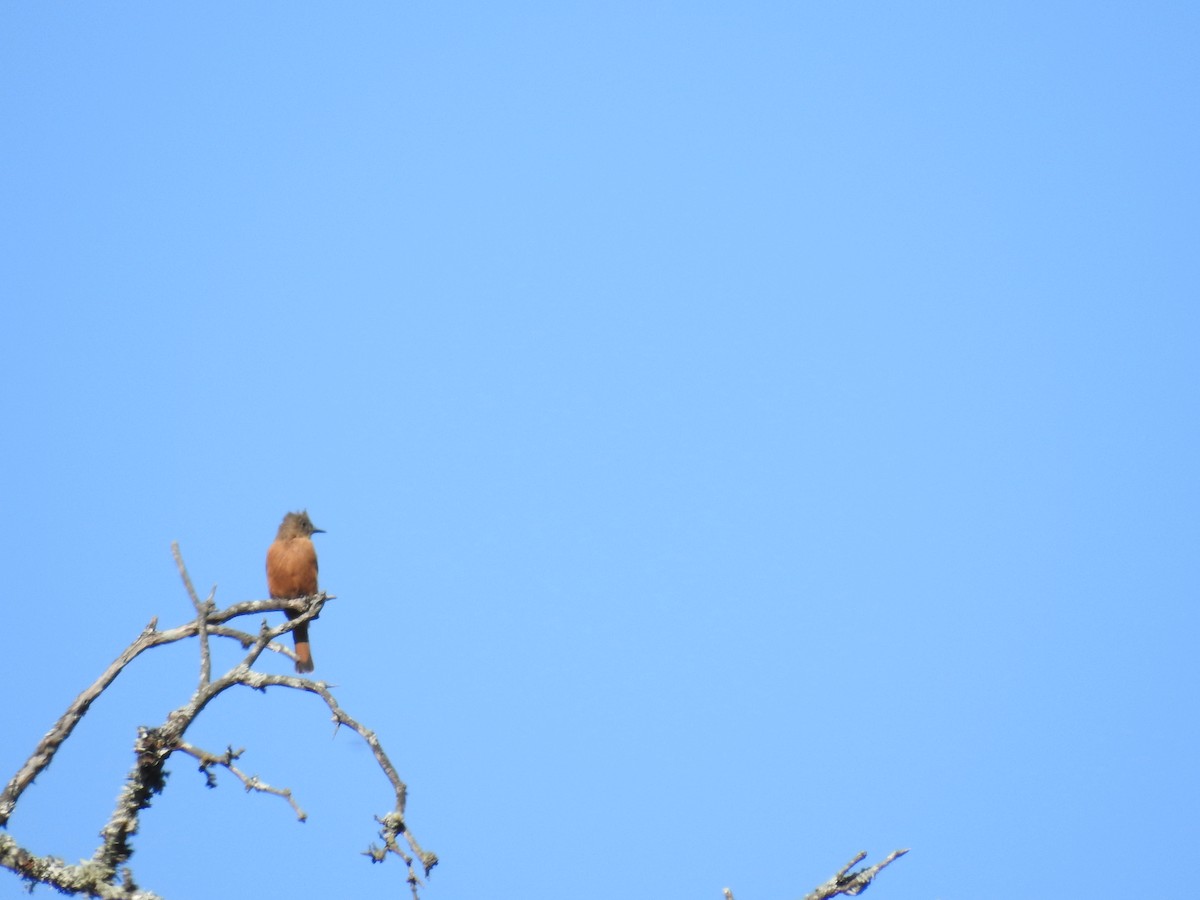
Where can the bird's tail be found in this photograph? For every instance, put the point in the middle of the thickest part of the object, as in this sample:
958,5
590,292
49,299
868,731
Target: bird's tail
304,660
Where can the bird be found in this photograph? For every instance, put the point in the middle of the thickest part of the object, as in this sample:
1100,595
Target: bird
292,573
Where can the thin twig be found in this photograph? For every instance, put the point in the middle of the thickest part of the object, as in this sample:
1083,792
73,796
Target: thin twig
201,615
251,782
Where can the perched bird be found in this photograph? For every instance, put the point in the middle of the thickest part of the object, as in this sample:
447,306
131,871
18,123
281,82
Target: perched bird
292,573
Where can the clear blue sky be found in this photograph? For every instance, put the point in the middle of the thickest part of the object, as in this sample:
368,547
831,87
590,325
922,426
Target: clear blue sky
746,434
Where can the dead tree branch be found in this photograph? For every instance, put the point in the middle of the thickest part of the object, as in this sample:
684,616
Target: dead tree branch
845,881
251,782
104,875
853,883
201,618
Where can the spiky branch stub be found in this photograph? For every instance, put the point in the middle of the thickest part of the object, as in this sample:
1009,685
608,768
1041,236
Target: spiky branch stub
102,876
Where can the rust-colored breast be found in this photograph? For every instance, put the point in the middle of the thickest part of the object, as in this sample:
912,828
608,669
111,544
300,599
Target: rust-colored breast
292,568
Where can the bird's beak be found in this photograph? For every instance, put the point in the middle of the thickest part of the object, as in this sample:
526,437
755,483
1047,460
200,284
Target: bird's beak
319,531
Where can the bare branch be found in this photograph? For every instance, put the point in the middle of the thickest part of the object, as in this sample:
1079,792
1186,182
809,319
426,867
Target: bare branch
393,823
155,745
43,754
845,881
53,739
152,749
247,640
251,782
79,879
103,876
202,610
852,883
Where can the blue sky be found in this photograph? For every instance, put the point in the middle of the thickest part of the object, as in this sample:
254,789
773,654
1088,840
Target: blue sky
745,435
